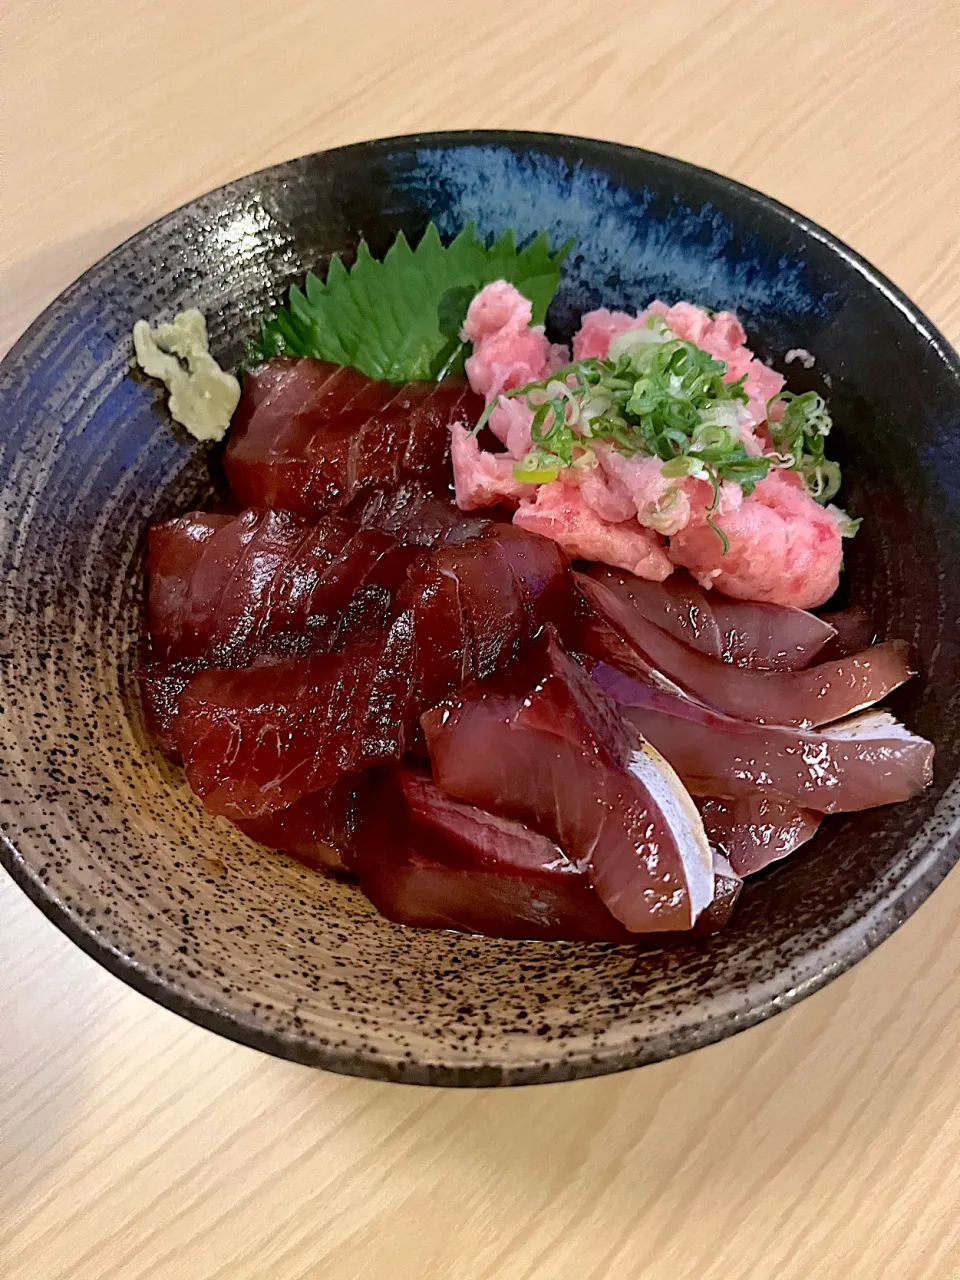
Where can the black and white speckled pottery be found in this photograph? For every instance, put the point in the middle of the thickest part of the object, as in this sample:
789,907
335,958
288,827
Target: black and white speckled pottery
102,833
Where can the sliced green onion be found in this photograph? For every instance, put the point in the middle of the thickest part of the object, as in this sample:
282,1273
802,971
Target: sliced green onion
659,396
724,540
848,525
536,468
485,416
676,468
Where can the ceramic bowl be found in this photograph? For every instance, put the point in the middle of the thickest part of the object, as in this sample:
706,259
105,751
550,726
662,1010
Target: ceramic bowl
102,833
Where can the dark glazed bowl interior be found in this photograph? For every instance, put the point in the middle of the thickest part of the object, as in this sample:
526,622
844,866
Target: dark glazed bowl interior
103,834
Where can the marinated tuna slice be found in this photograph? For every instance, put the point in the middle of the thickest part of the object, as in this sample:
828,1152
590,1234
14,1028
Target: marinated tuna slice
594,640
418,515
477,605
310,437
815,696
757,830
264,582
258,740
321,829
537,744
726,890
867,760
677,605
190,564
727,884
854,631
769,637
433,862
161,684
175,552
743,632
314,610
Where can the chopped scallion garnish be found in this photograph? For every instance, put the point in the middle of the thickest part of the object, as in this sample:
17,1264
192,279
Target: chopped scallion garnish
660,396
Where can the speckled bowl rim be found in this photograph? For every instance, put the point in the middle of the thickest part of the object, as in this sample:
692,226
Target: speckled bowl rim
822,964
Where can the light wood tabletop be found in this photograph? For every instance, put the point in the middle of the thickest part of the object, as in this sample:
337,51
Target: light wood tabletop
823,1144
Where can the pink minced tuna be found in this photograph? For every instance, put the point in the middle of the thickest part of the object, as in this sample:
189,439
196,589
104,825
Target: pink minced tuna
620,510
561,513
507,350
482,479
784,548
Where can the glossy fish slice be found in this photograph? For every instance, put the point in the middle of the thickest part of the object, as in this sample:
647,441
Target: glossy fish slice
815,696
859,763
263,582
419,514
539,745
433,862
320,830
161,684
756,830
260,739
746,633
310,437
478,604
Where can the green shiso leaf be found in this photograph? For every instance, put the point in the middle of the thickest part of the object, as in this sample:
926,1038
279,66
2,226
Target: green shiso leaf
400,319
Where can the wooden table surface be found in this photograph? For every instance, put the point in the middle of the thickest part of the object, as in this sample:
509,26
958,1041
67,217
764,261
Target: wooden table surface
823,1144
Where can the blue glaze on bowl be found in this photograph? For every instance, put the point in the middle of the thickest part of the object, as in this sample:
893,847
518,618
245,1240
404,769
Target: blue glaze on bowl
631,243
101,832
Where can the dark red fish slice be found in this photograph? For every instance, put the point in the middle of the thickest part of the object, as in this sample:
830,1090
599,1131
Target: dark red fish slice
726,891
677,605
866,761
418,515
538,745
264,582
768,637
310,437
854,631
190,562
815,696
319,602
266,460
432,862
748,634
258,740
596,640
175,550
161,684
225,590
477,605
756,830
321,829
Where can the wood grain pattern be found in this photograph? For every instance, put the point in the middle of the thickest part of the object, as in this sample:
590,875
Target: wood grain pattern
134,1146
